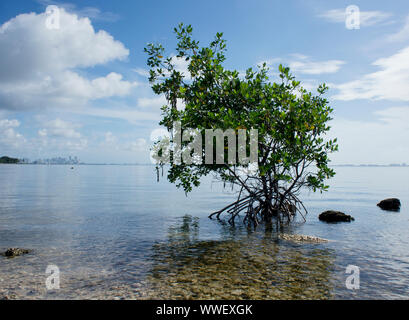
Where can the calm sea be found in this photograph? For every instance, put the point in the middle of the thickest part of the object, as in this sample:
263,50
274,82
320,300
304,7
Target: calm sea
114,232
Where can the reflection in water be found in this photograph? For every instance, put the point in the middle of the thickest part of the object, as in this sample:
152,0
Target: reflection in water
252,266
107,229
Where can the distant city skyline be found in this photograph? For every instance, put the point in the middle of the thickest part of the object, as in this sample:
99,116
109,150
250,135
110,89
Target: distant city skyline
57,160
75,160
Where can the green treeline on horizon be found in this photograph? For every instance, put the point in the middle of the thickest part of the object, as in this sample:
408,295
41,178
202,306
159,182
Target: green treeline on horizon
9,160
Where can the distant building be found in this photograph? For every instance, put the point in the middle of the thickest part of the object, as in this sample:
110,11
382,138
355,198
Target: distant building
58,160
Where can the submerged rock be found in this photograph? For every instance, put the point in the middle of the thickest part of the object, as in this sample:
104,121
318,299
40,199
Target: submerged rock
15,252
301,238
7,296
391,204
335,216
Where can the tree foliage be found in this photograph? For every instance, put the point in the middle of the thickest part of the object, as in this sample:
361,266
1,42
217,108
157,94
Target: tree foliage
291,122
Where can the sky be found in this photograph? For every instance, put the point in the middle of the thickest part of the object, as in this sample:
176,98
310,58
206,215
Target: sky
80,87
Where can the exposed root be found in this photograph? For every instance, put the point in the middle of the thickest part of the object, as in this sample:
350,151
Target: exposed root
258,208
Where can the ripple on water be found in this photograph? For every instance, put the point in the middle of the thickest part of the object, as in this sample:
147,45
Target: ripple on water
115,233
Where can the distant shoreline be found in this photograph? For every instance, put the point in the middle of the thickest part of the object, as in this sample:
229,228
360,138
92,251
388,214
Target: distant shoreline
151,165
372,165
80,164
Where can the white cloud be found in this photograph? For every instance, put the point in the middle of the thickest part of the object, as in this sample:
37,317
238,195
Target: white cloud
383,141
304,65
90,12
402,34
391,82
137,145
60,128
110,139
156,103
319,67
38,64
8,135
43,133
367,18
77,145
123,144
153,103
395,116
47,145
127,114
142,72
159,134
180,65
59,135
6,123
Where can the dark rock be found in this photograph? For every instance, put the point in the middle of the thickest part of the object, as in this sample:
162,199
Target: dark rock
15,252
335,216
392,204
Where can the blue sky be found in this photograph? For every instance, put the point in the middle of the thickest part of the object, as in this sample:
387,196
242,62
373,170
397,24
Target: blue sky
82,89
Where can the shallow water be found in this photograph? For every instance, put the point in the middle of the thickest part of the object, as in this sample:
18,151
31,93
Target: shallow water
115,233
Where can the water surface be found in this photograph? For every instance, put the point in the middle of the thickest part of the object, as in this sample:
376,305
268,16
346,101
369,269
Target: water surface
115,233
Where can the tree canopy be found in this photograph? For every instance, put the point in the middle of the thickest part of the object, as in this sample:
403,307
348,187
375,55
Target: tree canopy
292,151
